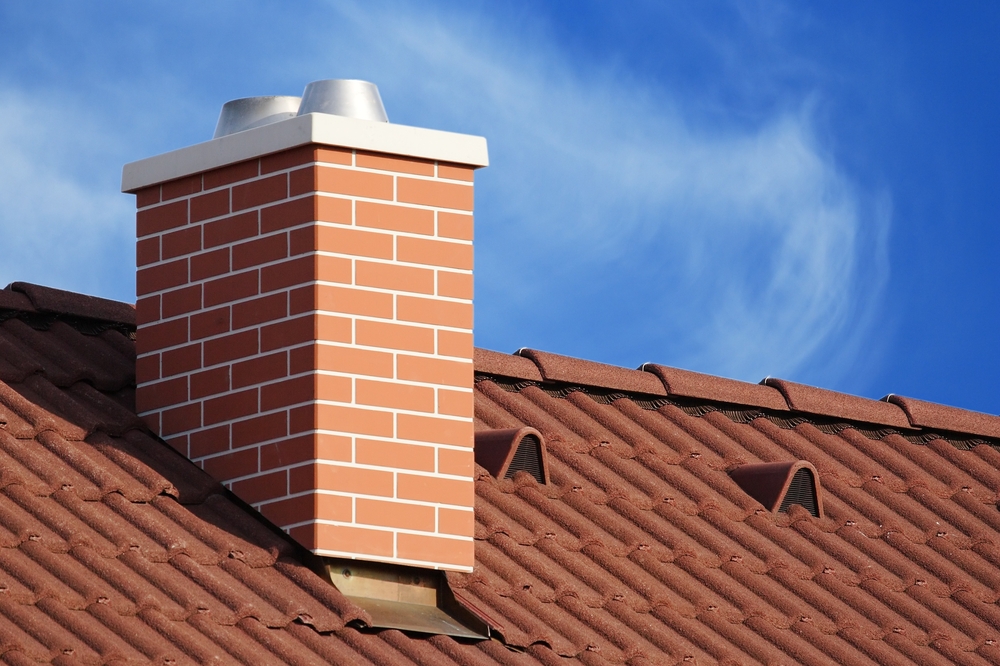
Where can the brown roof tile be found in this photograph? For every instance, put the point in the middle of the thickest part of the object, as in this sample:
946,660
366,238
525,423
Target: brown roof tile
506,365
819,401
687,384
588,373
942,417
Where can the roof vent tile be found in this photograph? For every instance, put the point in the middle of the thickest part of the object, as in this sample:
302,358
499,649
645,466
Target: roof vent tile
779,485
503,453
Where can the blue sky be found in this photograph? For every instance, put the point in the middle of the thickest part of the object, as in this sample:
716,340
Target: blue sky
808,191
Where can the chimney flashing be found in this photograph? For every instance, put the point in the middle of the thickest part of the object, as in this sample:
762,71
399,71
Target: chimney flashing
318,128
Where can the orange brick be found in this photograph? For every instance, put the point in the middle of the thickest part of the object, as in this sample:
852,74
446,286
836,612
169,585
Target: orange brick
455,343
429,311
211,322
453,225
259,429
288,273
287,393
457,462
395,455
262,487
260,192
395,218
455,403
434,193
453,521
353,540
455,171
394,336
231,174
287,214
181,301
434,430
289,451
349,479
394,276
231,347
457,492
333,329
209,382
230,229
333,447
210,264
354,183
260,310
287,333
333,269
394,514
230,406
182,359
394,395
182,241
353,301
335,155
332,387
354,361
333,209
154,220
161,276
454,285
230,288
441,550
354,420
260,369
308,507
393,163
434,371
210,205
434,252
354,241
147,251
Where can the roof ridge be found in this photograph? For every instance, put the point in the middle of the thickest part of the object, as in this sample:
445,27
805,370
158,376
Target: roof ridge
48,303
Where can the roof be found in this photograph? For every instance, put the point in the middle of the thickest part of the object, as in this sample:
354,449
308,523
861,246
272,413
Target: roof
640,550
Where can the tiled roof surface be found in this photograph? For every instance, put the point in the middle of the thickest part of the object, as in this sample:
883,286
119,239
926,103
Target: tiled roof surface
641,550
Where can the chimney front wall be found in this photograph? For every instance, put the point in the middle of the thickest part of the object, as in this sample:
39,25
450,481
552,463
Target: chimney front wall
305,335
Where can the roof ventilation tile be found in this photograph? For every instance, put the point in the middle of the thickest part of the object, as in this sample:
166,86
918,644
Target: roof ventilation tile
503,453
779,485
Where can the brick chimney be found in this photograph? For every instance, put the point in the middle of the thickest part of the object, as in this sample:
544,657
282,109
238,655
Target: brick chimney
305,327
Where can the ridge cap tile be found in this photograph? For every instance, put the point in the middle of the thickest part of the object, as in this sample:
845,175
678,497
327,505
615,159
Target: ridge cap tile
824,402
690,384
59,301
926,414
506,365
555,367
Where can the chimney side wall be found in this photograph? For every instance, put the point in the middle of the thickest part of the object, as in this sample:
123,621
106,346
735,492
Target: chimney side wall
305,335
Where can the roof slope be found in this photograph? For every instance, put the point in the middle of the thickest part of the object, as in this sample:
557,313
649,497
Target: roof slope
641,550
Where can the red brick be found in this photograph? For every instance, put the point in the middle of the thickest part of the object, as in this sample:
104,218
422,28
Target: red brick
181,301
453,521
183,359
394,336
455,343
231,174
147,251
232,465
210,264
263,487
152,421
395,455
260,429
394,395
260,192
210,205
260,310
154,220
354,183
354,361
288,451
287,159
286,333
302,300
230,229
353,241
230,406
287,214
209,382
301,419
454,285
434,193
302,241
230,288
231,347
453,225
147,369
395,514
455,403
161,276
392,163
158,336
181,187
429,311
210,440
432,252
147,196
353,301
455,171
287,393
302,359
394,276
180,419
260,369
435,549
183,241
434,430
395,218
457,492
456,462
161,394
260,251
287,274
434,370
147,310
333,209
302,181
353,420
212,322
